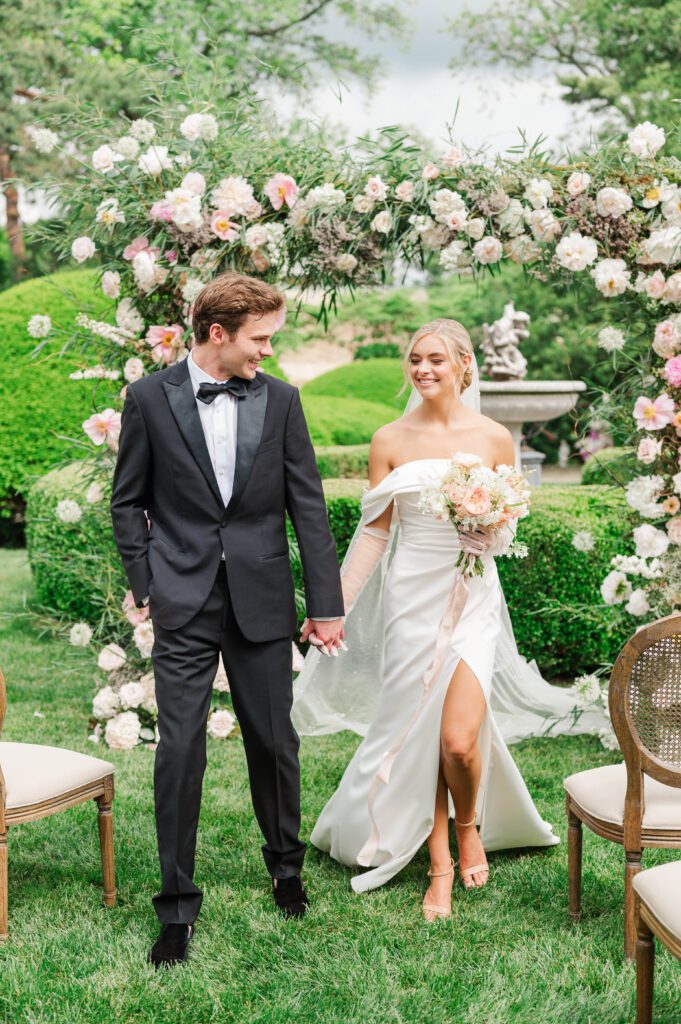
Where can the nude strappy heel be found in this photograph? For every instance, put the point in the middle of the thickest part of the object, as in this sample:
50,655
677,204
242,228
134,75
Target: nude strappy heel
431,911
467,872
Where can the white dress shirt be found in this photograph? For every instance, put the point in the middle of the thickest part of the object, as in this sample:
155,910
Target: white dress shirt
218,419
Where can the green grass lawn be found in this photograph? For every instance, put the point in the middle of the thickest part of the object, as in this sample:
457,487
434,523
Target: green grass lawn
508,954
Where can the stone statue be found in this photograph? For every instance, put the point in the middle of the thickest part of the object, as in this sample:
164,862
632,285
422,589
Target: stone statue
503,360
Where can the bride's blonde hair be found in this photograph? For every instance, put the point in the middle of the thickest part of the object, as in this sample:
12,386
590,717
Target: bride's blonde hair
456,340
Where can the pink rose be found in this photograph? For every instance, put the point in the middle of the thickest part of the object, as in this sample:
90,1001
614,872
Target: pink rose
161,210
133,614
655,285
280,189
672,292
674,530
165,341
404,191
477,502
648,450
654,415
666,339
103,426
430,172
223,226
672,371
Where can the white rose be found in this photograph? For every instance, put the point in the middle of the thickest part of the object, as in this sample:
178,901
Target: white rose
645,139
577,183
105,159
94,494
83,248
123,731
475,228
80,634
375,188
132,695
155,160
143,635
106,703
488,250
256,236
346,262
111,658
363,203
430,172
648,450
111,284
453,158
538,192
512,219
382,222
142,130
200,126
611,277
576,251
194,182
664,245
404,191
144,270
637,603
68,511
543,225
522,249
220,724
127,147
133,369
613,202
39,326
650,542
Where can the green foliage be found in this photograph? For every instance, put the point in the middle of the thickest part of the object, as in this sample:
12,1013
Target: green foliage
40,260
40,404
373,380
340,421
348,460
378,350
611,466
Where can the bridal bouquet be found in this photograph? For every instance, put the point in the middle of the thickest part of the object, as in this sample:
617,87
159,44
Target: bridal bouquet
472,496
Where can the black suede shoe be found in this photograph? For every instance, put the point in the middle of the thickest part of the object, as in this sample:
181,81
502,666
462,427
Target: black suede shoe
172,945
290,896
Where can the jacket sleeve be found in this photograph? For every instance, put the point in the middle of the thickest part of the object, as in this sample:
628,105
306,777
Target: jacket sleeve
129,497
306,506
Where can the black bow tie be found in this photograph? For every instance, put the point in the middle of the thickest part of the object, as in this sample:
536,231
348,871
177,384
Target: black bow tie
234,386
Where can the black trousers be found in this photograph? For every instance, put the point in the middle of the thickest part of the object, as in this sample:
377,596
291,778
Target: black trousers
185,662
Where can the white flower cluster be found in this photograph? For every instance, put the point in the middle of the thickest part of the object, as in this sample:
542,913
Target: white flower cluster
611,339
39,326
583,540
203,127
118,335
42,139
589,691
98,372
68,511
642,494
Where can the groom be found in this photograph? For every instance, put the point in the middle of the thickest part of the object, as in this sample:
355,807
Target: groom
214,454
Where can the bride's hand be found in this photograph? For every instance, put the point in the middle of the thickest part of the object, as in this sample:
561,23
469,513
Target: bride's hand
474,542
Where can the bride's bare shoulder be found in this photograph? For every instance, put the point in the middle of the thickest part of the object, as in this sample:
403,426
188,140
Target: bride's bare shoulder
498,437
386,443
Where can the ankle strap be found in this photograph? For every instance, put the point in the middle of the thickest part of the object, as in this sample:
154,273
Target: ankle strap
464,824
441,874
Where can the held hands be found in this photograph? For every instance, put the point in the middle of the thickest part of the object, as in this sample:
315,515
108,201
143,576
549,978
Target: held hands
326,635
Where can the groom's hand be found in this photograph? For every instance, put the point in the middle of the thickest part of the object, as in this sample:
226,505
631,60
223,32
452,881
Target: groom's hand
326,634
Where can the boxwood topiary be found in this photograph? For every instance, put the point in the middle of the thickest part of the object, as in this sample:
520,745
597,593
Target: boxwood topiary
343,421
344,460
372,380
611,466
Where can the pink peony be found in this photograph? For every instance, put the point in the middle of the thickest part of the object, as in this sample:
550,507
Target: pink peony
477,502
103,426
161,210
672,371
222,226
280,189
165,341
138,244
654,415
133,614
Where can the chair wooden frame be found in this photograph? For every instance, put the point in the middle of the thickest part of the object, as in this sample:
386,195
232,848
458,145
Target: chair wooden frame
648,927
101,791
632,835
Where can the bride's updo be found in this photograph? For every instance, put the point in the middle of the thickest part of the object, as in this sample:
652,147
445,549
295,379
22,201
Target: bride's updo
456,340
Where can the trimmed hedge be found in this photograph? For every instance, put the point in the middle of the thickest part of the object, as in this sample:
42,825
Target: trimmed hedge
553,594
611,466
345,460
372,380
343,421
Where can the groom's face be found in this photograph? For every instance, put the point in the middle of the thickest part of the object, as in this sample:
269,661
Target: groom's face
241,354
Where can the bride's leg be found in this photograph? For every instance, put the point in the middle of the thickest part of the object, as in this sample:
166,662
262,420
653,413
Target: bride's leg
462,715
440,889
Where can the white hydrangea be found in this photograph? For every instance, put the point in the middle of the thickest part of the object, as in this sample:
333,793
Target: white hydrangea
611,339
611,277
68,511
632,565
638,603
664,245
39,326
538,191
80,634
132,695
650,542
42,139
200,126
615,588
645,139
127,147
191,289
106,703
642,495
583,540
576,251
123,731
128,317
111,284
220,724
155,160
613,202
142,130
143,636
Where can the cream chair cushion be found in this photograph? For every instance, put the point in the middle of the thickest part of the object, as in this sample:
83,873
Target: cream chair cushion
660,889
600,792
35,773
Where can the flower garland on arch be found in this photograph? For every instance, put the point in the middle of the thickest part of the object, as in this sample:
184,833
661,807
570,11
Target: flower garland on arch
166,205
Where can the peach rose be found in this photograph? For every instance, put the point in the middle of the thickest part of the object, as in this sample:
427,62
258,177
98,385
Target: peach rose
477,502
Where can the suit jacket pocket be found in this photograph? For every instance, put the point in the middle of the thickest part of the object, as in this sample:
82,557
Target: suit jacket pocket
270,558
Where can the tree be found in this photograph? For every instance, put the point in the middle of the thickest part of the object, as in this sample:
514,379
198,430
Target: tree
620,59
113,53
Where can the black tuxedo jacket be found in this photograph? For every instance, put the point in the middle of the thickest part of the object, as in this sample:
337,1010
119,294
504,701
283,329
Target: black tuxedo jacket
164,472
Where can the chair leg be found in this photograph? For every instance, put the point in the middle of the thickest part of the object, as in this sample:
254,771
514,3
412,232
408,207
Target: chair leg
4,897
645,968
632,866
574,862
105,820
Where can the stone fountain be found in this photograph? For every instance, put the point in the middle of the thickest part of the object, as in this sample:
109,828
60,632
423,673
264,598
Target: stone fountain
511,400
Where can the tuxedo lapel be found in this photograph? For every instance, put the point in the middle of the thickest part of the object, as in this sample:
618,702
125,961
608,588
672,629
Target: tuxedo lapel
180,395
250,421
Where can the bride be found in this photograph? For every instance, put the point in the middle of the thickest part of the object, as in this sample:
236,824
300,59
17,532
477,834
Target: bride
438,649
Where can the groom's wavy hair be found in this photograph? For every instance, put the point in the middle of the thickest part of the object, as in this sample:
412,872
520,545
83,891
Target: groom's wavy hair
228,300
456,340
